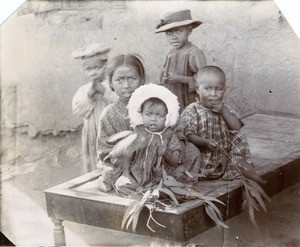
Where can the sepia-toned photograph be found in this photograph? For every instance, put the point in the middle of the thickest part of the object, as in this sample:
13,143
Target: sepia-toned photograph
149,123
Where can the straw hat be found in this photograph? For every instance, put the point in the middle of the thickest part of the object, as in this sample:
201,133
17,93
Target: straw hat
175,19
96,49
141,94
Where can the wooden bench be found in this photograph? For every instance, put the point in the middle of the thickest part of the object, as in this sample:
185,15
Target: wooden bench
274,143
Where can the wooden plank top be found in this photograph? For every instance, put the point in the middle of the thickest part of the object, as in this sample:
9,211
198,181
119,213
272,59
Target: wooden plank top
274,141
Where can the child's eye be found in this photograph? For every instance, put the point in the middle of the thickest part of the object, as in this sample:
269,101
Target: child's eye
177,31
131,79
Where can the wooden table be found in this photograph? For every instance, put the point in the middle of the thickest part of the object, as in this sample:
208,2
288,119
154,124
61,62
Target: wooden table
274,143
78,201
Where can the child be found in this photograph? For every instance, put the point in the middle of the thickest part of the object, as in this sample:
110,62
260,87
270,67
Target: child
184,60
90,99
213,127
153,109
125,73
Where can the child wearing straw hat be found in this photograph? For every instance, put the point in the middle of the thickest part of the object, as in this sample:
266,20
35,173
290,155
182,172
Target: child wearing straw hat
184,60
91,98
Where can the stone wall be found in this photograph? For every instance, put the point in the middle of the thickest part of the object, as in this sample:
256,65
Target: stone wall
250,40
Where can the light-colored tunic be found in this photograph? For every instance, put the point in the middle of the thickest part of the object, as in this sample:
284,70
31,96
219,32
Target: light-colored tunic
89,109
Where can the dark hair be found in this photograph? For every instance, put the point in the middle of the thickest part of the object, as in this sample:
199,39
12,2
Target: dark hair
153,102
127,60
210,69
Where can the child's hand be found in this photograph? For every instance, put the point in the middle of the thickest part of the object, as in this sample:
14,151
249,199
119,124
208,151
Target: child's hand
173,78
97,87
217,106
161,150
212,144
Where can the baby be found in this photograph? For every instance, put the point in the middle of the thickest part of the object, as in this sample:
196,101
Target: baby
152,110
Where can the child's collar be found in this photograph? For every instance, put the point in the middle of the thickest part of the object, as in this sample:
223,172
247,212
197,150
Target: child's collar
185,46
157,133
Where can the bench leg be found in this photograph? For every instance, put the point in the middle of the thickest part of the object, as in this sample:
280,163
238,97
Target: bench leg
59,233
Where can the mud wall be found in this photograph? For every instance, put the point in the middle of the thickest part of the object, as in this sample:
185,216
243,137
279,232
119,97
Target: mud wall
250,40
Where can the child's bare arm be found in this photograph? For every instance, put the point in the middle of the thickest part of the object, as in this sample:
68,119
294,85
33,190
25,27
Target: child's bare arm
232,121
201,142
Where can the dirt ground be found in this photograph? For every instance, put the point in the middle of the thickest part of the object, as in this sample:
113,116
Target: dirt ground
29,166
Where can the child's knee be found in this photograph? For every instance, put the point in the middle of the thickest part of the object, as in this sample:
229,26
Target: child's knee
191,155
108,177
103,185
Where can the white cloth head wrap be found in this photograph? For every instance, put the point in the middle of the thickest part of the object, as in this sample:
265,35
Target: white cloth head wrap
148,91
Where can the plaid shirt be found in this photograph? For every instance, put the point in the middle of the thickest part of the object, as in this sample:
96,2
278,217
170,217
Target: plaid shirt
200,121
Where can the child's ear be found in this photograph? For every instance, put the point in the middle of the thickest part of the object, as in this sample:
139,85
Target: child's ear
111,87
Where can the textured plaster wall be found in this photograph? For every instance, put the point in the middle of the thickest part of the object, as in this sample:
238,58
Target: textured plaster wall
250,40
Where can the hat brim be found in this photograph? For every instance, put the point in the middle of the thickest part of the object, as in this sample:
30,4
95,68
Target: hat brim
178,24
92,50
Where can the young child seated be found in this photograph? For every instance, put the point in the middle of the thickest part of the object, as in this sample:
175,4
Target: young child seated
125,73
91,98
214,128
152,110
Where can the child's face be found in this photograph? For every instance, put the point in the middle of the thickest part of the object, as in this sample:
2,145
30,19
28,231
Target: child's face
93,68
178,37
154,117
124,81
210,88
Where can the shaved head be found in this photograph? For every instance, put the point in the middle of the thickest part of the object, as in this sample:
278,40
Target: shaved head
208,73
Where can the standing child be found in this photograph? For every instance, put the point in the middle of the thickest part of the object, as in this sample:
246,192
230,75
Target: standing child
90,99
214,128
184,60
125,73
